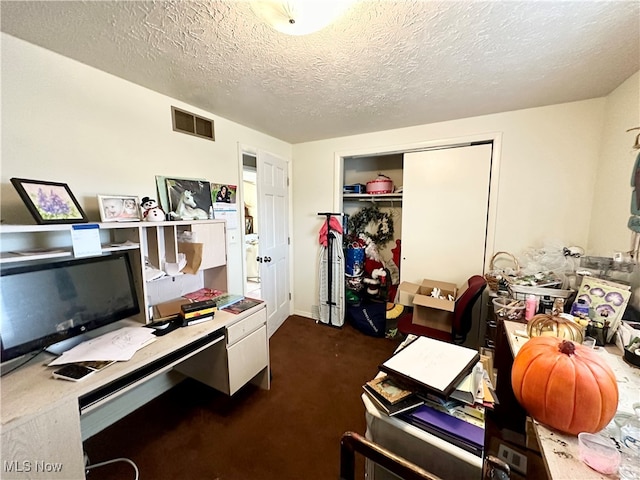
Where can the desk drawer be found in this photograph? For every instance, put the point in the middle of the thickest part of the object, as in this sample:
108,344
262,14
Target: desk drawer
245,326
247,358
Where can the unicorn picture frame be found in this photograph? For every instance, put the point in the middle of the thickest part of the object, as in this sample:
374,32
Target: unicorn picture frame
189,199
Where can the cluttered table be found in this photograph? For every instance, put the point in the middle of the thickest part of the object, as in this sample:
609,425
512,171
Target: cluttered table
559,450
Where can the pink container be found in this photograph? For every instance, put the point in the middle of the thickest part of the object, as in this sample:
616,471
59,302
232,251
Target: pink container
599,453
382,184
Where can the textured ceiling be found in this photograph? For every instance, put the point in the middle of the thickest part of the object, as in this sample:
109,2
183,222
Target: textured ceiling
382,65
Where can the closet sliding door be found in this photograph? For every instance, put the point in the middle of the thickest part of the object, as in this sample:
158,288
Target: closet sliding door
444,213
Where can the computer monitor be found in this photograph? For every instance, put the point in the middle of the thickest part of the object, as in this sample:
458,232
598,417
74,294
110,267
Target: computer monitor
45,303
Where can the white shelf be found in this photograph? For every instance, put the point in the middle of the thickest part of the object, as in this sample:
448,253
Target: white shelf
25,256
119,248
24,244
14,257
368,197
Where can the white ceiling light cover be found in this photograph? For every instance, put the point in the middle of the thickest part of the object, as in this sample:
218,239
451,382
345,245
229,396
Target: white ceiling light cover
300,17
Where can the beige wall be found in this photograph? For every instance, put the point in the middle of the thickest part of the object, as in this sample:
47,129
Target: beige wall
67,122
549,162
612,195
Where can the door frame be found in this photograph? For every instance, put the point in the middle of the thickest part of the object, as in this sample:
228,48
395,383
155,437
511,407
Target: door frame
251,150
494,137
243,149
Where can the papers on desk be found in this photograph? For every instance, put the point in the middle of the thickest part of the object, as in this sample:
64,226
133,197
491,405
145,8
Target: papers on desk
119,345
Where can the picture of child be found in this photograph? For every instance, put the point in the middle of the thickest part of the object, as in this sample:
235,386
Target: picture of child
130,209
112,207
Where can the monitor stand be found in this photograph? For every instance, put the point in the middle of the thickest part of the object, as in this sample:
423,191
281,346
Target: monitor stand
67,344
10,365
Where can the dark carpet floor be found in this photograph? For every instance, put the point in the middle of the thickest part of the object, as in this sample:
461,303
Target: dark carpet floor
289,432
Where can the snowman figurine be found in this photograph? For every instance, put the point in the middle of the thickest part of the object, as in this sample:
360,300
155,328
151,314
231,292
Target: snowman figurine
151,212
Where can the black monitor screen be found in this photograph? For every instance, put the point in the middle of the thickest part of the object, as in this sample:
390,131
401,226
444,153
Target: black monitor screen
45,303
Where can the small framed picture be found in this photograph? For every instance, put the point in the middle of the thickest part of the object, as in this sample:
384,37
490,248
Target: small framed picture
49,202
119,208
223,193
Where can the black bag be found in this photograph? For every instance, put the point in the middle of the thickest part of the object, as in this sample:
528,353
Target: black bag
369,317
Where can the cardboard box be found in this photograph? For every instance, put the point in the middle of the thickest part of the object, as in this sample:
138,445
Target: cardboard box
169,308
430,311
406,292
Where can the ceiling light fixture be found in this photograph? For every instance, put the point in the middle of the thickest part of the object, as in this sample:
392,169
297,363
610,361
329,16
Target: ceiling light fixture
299,17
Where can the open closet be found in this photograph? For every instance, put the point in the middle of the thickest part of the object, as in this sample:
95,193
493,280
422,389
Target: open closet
379,215
436,222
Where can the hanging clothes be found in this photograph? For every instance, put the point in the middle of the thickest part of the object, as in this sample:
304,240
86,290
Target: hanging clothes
334,224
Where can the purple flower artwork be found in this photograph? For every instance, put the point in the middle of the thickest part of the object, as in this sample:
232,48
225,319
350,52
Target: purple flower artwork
52,202
49,202
51,205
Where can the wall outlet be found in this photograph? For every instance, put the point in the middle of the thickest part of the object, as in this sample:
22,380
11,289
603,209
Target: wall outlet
516,460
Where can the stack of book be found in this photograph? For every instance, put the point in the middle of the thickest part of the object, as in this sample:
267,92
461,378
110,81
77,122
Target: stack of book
438,387
197,312
220,300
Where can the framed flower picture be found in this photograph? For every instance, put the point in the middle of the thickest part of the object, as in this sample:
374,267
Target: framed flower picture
49,202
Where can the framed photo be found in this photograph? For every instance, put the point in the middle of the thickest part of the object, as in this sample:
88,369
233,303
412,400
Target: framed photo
189,199
119,208
161,186
222,193
49,202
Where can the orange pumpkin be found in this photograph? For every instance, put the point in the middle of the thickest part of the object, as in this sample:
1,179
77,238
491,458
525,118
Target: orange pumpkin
564,385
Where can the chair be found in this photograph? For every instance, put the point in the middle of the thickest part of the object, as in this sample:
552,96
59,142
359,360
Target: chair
462,316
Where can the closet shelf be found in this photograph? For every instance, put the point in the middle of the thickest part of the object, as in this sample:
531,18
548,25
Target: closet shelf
367,197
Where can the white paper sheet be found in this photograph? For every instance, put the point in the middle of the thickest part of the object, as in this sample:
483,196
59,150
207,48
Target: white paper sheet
85,239
119,345
228,212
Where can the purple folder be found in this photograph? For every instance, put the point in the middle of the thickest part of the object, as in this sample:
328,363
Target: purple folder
439,422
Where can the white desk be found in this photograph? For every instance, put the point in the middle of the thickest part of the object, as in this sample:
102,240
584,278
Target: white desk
432,453
45,420
559,450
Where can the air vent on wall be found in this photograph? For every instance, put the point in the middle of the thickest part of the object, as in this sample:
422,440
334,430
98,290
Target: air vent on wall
192,124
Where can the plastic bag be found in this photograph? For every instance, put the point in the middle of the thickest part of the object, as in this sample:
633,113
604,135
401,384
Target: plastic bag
193,252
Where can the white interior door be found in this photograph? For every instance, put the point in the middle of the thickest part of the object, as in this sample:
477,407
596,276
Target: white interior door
273,256
444,213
